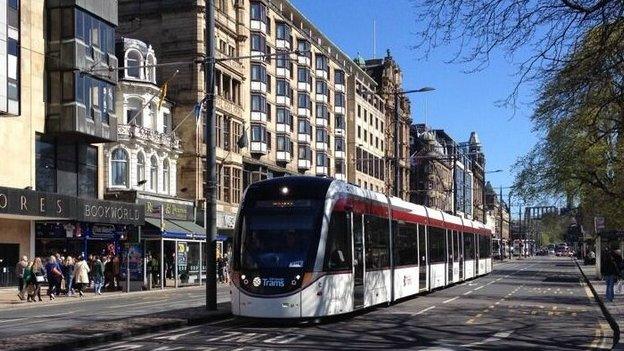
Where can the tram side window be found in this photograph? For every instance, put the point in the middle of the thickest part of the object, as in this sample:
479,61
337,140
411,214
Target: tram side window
437,245
377,248
406,244
338,248
469,246
485,248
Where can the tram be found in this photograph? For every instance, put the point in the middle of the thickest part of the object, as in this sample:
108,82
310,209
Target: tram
308,247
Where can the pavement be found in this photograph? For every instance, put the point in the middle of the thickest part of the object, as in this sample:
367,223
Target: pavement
72,322
614,309
540,303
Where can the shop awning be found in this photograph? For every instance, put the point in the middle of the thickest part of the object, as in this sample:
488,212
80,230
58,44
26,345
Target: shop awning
191,227
177,229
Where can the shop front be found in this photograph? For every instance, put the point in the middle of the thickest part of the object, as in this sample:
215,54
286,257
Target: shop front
39,223
173,243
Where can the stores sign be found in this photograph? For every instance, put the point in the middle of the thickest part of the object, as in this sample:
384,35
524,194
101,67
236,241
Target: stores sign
23,202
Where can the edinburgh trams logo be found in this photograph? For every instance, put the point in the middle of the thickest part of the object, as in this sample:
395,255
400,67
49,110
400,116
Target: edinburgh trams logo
268,282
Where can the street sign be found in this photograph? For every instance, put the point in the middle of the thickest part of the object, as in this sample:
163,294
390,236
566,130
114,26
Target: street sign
599,224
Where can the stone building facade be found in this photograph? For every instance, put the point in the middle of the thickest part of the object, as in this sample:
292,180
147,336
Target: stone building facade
387,73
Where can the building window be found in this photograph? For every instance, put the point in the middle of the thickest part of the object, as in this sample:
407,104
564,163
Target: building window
322,160
166,176
282,31
283,143
140,170
134,111
339,166
46,164
236,185
153,173
258,12
258,103
339,100
304,153
303,75
167,123
321,87
303,100
258,73
322,112
87,172
119,167
227,173
258,133
339,144
340,122
321,62
339,77
134,61
237,132
304,126
258,43
304,48
282,87
282,61
283,116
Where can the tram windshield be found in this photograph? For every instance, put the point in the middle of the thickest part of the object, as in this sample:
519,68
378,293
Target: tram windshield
279,237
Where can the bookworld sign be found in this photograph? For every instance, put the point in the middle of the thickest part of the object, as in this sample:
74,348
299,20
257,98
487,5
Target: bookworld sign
32,203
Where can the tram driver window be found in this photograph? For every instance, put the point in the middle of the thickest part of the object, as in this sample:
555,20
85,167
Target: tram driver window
338,248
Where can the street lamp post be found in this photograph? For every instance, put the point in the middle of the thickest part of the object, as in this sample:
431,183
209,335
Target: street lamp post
397,130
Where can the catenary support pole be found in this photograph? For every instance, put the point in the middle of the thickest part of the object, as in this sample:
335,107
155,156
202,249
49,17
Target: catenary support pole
211,163
397,128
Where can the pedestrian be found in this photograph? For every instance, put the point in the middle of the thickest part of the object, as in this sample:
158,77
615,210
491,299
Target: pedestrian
220,264
54,274
98,275
90,264
107,261
68,274
37,277
116,272
610,271
20,267
152,266
81,274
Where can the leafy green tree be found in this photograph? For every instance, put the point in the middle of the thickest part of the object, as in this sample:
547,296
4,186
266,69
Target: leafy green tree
580,114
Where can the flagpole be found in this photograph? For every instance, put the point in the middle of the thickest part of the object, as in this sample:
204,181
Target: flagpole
136,114
187,116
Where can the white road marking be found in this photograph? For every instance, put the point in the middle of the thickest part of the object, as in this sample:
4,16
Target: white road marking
176,336
496,337
467,292
425,310
481,287
449,300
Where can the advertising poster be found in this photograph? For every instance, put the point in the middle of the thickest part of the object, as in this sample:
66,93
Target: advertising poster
134,255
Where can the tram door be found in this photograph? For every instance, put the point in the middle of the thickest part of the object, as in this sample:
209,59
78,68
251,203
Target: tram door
358,261
422,261
476,241
449,255
460,246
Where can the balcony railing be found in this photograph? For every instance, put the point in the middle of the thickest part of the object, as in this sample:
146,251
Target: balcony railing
132,131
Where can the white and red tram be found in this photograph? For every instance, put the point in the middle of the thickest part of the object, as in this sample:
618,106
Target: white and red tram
309,247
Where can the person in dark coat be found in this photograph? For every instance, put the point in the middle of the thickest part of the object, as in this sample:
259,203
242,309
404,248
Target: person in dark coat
610,270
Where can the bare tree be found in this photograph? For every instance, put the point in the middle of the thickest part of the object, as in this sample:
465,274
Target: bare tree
548,30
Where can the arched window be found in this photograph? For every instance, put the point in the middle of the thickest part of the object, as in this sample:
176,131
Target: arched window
166,176
134,111
154,173
134,61
119,167
140,167
150,72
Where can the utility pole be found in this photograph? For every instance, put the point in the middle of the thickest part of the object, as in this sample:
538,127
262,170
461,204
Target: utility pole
210,184
397,168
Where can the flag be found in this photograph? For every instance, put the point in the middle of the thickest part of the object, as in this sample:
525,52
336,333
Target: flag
163,94
198,110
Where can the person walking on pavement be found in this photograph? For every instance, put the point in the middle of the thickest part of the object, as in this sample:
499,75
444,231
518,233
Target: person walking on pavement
610,271
36,276
68,274
20,267
81,273
98,276
54,274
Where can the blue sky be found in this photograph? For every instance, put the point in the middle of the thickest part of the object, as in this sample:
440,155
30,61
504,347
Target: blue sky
461,103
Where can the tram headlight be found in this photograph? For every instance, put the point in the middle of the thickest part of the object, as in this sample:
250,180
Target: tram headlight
243,277
284,190
293,282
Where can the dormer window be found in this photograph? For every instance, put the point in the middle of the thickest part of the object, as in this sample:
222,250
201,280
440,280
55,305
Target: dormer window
134,61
